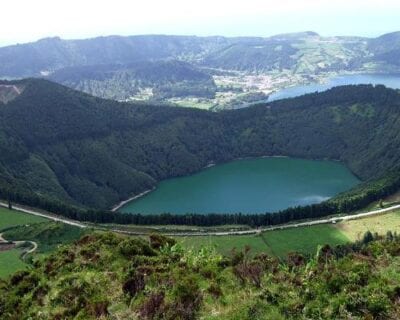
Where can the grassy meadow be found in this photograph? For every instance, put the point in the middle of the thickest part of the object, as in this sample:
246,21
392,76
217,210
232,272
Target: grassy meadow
10,262
11,218
302,239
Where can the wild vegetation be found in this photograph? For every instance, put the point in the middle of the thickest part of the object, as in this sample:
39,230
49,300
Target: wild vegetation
107,276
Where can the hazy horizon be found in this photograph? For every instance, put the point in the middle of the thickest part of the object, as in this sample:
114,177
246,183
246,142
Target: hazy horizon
196,35
79,20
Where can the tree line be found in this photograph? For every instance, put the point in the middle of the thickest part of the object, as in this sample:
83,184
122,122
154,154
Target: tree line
345,203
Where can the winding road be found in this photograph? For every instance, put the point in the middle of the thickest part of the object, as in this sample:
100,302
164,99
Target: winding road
334,219
25,252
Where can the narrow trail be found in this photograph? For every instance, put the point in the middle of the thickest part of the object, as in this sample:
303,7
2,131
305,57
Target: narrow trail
25,251
31,250
334,219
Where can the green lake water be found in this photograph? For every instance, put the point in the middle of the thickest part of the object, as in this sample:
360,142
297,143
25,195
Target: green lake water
247,186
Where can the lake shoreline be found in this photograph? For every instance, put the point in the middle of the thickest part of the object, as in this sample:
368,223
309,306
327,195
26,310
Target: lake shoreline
210,165
124,202
213,164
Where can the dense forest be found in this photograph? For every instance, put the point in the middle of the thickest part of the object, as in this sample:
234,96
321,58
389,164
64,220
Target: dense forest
63,150
166,79
105,276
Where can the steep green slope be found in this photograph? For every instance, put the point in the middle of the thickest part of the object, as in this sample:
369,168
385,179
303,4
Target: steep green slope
104,276
71,147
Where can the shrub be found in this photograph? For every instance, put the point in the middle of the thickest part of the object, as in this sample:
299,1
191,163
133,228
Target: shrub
295,260
152,306
98,309
378,304
187,299
134,285
215,290
252,271
157,241
133,247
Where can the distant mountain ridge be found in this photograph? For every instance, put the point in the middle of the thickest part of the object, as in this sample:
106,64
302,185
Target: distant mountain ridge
51,54
115,59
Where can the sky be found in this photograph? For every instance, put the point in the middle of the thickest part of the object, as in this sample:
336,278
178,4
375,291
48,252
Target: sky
27,20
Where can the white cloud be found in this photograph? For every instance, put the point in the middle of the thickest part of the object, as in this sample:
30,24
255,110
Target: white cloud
23,20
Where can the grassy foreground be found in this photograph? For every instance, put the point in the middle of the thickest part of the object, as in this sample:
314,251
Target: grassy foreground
108,276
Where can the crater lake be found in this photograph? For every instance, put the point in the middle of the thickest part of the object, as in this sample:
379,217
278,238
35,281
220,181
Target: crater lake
247,186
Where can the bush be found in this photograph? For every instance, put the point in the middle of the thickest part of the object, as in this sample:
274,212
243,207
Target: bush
152,306
134,285
187,299
157,241
133,247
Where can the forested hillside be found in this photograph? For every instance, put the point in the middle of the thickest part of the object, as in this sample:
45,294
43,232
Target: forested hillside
162,79
69,147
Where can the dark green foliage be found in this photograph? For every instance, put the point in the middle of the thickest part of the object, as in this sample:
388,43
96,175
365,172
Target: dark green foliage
158,240
70,151
187,299
368,237
133,247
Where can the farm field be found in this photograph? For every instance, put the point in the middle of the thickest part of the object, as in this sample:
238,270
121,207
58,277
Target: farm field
303,239
355,229
10,262
277,243
11,218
